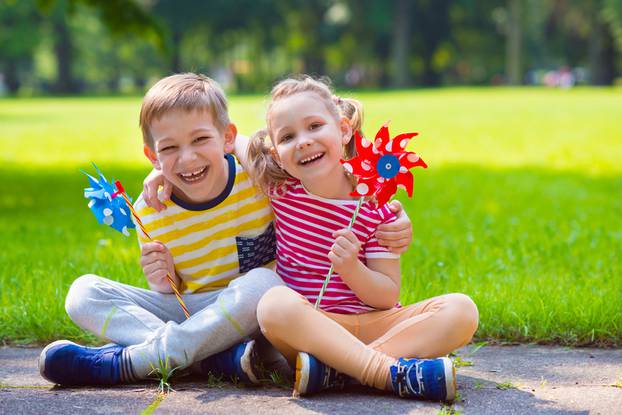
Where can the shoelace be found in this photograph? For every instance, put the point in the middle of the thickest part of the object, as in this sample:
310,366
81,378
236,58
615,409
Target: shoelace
332,378
404,383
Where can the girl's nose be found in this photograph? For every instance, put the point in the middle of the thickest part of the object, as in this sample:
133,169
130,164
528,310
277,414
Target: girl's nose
304,141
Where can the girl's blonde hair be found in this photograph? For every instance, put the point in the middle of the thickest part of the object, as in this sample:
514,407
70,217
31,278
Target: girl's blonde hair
263,165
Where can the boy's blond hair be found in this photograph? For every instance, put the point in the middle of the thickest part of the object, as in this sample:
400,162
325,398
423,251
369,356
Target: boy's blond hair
187,92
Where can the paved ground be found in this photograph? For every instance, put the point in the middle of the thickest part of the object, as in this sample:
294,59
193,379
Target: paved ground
499,380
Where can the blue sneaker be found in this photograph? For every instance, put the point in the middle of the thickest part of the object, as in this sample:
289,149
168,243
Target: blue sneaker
313,376
433,379
235,362
66,363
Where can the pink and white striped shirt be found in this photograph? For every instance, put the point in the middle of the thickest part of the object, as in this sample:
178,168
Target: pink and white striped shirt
304,227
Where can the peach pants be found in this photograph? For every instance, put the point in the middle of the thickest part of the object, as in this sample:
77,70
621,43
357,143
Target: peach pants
364,346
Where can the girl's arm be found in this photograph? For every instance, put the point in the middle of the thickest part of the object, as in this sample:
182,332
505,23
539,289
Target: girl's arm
377,284
151,184
241,150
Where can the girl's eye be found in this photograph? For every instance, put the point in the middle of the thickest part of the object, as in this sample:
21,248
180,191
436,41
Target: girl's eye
167,149
315,125
286,137
201,139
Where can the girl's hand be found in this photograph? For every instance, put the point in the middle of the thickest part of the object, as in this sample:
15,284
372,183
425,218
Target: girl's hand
152,182
397,235
156,261
344,252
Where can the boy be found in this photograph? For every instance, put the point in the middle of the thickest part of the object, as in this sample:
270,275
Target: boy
215,235
213,238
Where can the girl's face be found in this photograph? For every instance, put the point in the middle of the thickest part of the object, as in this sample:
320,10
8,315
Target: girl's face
308,138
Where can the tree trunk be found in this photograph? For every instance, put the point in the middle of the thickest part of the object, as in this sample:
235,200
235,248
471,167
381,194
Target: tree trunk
63,47
400,49
602,54
513,43
11,77
176,57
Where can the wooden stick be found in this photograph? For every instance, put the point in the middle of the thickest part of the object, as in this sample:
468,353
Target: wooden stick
121,191
330,271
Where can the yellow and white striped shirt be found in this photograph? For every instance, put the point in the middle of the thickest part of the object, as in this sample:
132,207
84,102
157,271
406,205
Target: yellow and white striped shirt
214,242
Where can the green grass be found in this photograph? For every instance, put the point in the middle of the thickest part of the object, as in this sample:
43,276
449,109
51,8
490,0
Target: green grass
521,207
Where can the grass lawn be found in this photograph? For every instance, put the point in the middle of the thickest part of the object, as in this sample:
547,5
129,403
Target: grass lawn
521,207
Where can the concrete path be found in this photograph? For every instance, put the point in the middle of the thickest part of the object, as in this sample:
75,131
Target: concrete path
491,380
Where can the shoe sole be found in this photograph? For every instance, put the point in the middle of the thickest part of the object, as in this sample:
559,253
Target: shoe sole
43,356
246,362
302,374
450,378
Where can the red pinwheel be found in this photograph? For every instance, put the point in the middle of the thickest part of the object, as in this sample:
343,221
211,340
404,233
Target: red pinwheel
380,167
383,166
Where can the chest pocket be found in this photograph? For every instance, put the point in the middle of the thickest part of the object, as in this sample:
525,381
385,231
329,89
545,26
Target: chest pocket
256,251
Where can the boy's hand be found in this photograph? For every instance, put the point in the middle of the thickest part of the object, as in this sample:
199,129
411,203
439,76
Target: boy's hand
156,261
398,234
344,252
152,182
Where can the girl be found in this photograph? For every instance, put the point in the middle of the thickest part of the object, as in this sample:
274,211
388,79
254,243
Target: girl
359,330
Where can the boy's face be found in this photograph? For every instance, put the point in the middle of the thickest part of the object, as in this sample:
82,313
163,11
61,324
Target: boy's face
189,150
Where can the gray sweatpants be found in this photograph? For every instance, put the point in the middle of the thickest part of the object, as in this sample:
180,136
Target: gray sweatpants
153,325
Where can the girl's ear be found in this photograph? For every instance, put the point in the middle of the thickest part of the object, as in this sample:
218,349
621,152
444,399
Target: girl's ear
346,130
275,156
149,153
231,132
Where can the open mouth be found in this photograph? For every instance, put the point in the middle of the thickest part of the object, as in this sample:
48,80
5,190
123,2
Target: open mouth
311,159
193,176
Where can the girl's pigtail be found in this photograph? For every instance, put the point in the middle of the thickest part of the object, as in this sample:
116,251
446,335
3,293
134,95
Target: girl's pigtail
264,169
351,109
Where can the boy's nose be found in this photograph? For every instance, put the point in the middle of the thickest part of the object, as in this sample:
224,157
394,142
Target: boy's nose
188,155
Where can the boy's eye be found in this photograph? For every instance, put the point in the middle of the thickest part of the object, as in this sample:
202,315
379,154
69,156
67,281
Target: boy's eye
201,139
286,137
167,149
315,125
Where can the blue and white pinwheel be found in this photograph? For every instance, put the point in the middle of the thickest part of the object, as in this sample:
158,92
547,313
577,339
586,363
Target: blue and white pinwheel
108,208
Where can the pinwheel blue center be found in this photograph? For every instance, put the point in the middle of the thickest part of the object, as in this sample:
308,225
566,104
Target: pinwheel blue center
388,166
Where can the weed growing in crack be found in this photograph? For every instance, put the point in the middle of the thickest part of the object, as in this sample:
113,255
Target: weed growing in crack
163,372
505,386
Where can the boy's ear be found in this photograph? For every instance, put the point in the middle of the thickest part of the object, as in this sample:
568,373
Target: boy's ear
152,157
346,130
230,133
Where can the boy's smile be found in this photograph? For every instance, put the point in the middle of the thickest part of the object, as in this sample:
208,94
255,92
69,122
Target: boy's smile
189,150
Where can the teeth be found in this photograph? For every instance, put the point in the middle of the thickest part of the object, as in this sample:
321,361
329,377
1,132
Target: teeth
314,157
193,176
194,173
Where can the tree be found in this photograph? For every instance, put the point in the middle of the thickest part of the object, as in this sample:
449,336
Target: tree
19,38
514,35
120,16
401,42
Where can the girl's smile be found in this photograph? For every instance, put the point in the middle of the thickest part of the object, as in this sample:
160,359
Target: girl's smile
309,142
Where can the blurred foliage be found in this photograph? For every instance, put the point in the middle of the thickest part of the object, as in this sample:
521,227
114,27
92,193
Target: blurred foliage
112,46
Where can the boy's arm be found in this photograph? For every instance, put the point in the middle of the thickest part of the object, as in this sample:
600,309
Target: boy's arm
396,235
377,283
